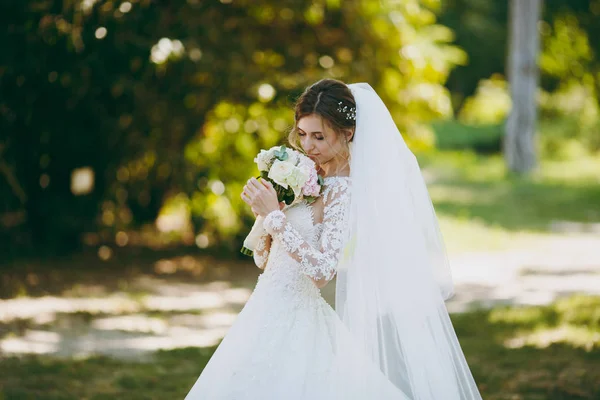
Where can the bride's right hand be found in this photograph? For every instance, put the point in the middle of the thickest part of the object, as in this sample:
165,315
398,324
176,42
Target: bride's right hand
244,190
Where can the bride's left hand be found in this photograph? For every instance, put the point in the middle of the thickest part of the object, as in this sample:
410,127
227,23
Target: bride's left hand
260,196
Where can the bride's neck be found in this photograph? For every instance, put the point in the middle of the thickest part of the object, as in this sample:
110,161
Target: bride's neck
335,168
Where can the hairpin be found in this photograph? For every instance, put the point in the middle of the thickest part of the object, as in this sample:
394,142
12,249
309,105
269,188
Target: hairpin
349,111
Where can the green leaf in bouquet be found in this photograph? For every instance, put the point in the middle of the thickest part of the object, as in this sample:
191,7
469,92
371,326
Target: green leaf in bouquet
288,197
321,180
280,190
281,153
310,199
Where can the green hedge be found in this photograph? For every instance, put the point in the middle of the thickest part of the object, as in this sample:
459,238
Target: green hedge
453,135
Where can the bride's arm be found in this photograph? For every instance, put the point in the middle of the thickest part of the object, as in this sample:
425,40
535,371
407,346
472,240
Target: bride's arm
317,263
261,252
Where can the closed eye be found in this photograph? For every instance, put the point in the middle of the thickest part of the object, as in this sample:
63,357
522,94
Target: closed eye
301,133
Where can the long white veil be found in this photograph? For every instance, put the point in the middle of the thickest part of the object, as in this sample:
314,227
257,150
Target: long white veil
393,276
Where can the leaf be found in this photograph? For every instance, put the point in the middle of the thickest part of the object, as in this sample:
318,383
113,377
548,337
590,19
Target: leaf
310,199
281,153
289,197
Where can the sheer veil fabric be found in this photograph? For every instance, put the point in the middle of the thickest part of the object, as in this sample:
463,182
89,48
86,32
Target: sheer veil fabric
393,274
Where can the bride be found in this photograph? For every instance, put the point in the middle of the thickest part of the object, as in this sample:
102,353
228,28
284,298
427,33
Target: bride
389,336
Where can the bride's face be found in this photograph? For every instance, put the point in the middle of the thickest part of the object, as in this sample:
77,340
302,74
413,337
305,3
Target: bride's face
321,143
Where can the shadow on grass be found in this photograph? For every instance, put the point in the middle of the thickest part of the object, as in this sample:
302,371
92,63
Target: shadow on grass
169,376
127,307
549,352
85,275
526,353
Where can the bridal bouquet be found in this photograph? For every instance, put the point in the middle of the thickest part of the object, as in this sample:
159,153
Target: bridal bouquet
294,178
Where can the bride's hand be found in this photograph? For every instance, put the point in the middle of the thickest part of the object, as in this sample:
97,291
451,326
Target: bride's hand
260,196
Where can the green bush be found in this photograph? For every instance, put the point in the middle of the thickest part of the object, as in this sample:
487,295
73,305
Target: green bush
454,135
490,104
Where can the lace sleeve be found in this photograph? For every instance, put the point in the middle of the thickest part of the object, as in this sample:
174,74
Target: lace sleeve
317,263
262,250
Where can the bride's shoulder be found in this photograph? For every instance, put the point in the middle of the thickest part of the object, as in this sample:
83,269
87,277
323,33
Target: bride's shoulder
336,179
336,186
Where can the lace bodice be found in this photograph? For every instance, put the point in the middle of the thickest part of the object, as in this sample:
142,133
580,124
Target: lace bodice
302,246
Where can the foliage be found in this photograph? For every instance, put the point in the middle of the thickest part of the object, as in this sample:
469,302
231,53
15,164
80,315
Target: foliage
481,30
490,104
569,66
158,98
566,138
455,135
570,74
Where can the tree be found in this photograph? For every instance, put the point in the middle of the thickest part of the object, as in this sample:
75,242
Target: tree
519,146
159,98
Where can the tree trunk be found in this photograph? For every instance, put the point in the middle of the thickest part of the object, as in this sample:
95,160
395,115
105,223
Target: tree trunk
524,44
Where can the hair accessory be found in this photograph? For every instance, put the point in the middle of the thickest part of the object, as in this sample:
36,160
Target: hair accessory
349,111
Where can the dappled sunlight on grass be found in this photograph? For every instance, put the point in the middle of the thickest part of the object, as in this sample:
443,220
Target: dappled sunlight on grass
574,321
126,312
542,352
523,353
528,317
119,326
542,338
508,248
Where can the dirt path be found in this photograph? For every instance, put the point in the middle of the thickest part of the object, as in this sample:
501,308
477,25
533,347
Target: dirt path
170,313
551,268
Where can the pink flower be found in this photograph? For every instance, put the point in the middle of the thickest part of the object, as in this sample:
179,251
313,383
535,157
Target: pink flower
312,187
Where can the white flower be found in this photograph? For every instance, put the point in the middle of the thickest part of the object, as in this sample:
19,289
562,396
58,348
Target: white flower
263,159
292,156
306,162
297,179
280,171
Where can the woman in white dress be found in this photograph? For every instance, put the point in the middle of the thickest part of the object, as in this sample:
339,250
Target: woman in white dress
390,336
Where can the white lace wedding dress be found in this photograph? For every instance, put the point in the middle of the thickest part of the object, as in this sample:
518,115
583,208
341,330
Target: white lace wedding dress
282,345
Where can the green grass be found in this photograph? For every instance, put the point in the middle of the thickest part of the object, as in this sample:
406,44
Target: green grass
550,352
482,206
529,353
170,376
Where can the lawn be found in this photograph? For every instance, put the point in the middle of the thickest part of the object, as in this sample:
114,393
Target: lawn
542,352
483,207
528,353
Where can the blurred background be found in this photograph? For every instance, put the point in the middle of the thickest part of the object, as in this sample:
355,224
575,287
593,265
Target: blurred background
128,129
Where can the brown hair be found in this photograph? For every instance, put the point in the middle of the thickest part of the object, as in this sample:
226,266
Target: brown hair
323,99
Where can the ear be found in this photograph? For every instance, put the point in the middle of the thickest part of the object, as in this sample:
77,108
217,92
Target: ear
349,134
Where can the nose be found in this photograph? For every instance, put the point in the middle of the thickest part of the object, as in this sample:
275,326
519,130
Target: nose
307,144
